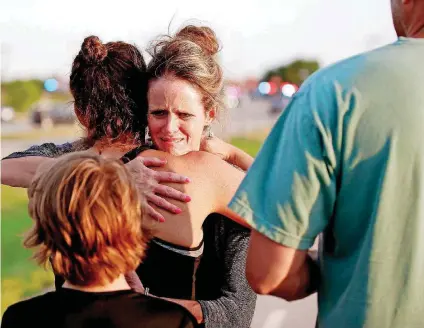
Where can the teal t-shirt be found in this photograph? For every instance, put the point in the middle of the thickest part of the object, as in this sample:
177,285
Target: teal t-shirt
346,159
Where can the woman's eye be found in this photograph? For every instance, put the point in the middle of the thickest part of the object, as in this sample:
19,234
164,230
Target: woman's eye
158,112
185,115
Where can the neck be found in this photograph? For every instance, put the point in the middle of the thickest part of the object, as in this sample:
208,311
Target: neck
118,284
415,28
419,34
115,148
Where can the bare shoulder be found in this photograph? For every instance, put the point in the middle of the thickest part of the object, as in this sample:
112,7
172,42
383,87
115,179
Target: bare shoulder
217,169
155,153
195,163
202,157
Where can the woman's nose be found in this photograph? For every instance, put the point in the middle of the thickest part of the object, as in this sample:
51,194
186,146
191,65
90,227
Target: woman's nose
172,124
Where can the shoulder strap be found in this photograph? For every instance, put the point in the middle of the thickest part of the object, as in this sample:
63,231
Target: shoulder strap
133,153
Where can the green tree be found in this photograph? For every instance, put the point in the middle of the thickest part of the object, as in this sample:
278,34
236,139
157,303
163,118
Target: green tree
295,72
21,94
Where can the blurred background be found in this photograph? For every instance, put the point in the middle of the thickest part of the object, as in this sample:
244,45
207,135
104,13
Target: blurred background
268,49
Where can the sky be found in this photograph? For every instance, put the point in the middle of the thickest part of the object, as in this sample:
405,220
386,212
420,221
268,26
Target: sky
40,38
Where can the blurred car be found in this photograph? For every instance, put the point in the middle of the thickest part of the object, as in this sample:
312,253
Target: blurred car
7,114
278,104
62,114
53,114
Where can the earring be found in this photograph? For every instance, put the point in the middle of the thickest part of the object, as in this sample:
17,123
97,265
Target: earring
208,132
147,138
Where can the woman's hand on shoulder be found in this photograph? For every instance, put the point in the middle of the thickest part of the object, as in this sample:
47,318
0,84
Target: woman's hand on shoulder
149,181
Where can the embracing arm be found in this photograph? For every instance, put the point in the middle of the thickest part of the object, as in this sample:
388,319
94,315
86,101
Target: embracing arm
239,158
18,172
235,302
229,153
235,307
18,169
192,306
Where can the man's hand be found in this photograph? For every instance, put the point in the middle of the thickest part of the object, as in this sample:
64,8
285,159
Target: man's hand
148,183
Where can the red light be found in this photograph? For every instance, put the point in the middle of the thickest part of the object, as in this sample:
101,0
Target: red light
273,88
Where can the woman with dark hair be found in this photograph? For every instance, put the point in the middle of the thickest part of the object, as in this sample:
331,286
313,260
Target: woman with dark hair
111,77
217,292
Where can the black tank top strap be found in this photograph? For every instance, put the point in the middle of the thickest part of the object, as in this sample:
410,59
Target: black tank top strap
175,246
133,153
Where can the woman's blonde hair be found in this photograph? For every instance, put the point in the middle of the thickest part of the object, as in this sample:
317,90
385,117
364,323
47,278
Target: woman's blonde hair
88,219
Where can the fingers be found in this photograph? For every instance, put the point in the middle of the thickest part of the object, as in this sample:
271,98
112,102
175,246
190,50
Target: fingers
171,177
170,192
163,204
152,161
155,215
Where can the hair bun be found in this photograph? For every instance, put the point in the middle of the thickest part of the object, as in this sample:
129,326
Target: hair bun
93,50
203,36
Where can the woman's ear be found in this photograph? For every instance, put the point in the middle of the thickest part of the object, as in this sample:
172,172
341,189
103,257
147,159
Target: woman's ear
210,116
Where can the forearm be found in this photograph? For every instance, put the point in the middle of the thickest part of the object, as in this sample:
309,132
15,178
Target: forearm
227,152
19,172
300,284
230,303
192,306
239,158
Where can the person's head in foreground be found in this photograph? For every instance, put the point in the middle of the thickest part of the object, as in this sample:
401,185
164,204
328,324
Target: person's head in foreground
185,89
408,17
88,222
88,219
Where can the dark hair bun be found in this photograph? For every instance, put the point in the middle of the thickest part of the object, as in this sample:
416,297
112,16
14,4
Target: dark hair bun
203,36
93,50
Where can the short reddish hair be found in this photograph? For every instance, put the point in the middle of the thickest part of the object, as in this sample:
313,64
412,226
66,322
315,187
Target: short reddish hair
88,219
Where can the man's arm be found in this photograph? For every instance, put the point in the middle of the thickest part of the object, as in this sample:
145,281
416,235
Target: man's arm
288,197
284,272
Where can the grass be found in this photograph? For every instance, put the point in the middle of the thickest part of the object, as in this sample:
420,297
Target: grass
21,276
250,146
